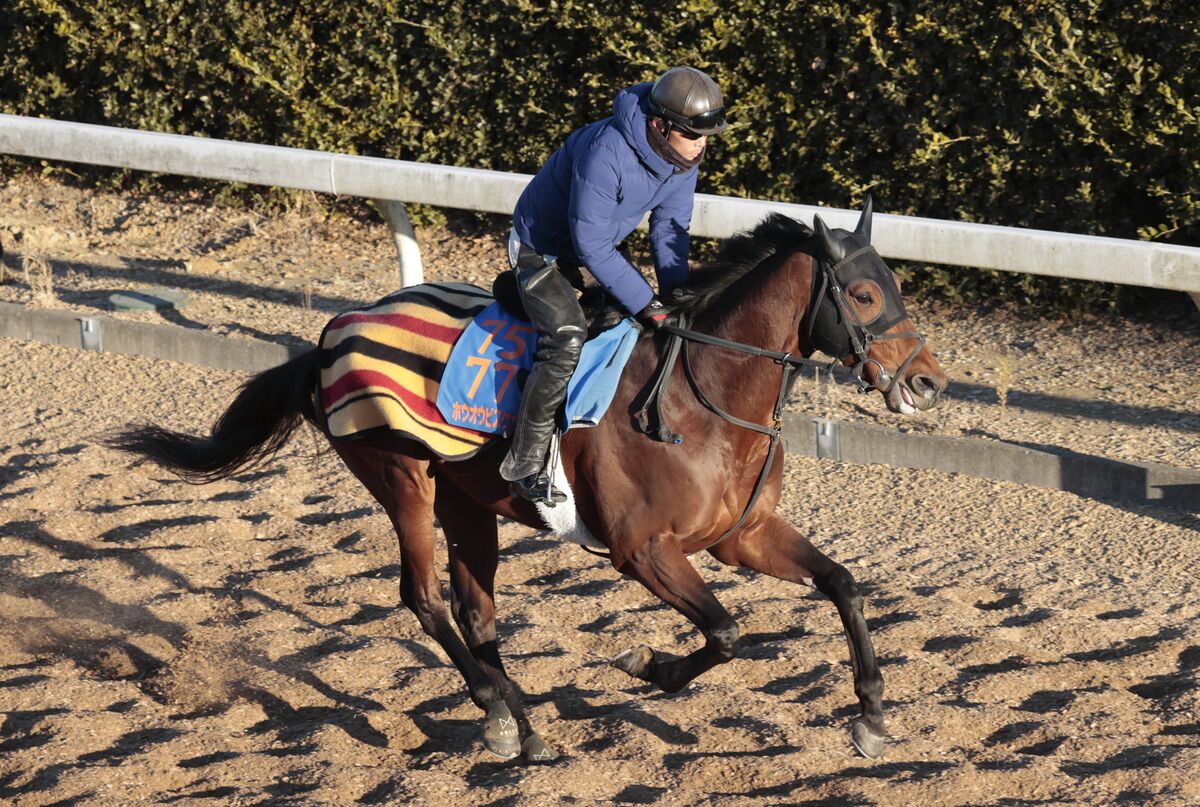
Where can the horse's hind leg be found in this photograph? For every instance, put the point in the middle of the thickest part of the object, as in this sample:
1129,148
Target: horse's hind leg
775,548
662,568
405,488
474,553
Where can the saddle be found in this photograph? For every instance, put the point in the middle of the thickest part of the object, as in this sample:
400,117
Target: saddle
599,310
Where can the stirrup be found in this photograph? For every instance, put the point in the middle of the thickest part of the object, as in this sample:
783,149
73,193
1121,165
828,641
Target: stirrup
538,489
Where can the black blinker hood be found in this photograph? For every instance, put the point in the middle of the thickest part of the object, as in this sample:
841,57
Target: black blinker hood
828,330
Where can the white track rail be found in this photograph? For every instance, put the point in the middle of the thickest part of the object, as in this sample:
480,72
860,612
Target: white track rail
1012,249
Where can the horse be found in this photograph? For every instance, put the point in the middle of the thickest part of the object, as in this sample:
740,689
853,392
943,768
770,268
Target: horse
771,298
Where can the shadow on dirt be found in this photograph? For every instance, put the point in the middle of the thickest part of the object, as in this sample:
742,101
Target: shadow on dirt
140,563
292,726
611,719
125,746
129,533
166,272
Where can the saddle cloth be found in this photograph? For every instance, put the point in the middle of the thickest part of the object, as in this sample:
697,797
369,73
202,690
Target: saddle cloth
443,364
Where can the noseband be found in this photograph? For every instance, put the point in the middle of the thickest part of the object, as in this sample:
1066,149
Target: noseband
856,337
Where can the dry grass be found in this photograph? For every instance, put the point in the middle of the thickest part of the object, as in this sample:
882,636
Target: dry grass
39,277
1004,377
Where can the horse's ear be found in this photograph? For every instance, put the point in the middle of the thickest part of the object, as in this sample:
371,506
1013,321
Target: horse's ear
863,227
830,245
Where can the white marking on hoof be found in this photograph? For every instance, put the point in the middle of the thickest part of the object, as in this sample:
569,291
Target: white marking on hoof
536,750
500,732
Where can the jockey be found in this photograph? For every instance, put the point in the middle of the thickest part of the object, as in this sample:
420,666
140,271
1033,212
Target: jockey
590,195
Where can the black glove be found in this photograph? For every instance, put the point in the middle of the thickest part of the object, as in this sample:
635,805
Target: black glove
653,316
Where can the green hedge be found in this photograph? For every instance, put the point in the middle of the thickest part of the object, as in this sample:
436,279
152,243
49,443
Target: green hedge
1080,115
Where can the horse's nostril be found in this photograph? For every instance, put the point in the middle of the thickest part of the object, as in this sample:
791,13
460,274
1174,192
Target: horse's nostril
924,386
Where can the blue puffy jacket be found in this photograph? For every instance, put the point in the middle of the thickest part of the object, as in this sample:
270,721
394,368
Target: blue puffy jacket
595,190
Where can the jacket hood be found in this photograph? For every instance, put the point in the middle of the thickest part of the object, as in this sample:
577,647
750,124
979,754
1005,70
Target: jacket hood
629,118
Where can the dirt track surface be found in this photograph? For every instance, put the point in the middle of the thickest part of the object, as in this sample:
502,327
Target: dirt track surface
243,643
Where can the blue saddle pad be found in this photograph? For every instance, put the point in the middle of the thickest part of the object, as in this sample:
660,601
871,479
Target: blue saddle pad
481,385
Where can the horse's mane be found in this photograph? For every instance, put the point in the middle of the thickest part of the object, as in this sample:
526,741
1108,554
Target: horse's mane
738,257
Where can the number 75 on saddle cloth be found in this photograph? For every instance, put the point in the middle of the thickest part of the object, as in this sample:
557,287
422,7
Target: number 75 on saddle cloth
481,385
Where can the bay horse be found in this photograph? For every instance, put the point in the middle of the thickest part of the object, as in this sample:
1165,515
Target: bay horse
773,296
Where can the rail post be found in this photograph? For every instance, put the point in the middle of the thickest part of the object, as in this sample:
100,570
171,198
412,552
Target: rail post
412,272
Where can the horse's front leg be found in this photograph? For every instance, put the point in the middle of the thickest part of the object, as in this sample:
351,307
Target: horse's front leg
663,569
774,547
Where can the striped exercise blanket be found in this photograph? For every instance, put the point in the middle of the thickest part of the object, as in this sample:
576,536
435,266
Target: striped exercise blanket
381,366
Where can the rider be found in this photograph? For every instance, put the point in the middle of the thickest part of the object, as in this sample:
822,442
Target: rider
591,194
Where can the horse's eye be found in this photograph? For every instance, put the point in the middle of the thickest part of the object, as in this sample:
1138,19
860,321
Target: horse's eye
863,298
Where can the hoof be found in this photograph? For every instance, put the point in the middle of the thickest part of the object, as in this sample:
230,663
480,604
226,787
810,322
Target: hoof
636,662
869,743
500,734
534,749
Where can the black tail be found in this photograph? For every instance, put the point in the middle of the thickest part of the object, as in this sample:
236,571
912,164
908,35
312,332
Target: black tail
258,423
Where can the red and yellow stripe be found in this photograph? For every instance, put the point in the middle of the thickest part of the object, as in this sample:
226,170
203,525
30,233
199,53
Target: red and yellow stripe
381,367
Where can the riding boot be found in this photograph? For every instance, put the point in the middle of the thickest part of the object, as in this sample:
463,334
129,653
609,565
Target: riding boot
553,309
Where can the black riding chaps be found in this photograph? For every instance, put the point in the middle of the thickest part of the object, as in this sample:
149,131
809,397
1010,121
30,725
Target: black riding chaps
553,308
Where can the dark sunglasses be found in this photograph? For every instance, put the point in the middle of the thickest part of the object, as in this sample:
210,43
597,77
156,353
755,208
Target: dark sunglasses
705,121
711,121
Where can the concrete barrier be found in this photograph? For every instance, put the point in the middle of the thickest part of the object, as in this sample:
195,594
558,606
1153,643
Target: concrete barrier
1040,466
169,342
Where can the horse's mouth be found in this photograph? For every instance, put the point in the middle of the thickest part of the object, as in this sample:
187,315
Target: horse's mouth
907,395
901,399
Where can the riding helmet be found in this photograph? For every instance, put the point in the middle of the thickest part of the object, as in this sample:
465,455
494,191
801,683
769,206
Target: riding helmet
689,99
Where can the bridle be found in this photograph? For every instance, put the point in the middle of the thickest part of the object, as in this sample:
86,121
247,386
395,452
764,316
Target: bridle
859,335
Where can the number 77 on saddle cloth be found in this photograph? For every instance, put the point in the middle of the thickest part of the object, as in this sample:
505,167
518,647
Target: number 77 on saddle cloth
481,385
